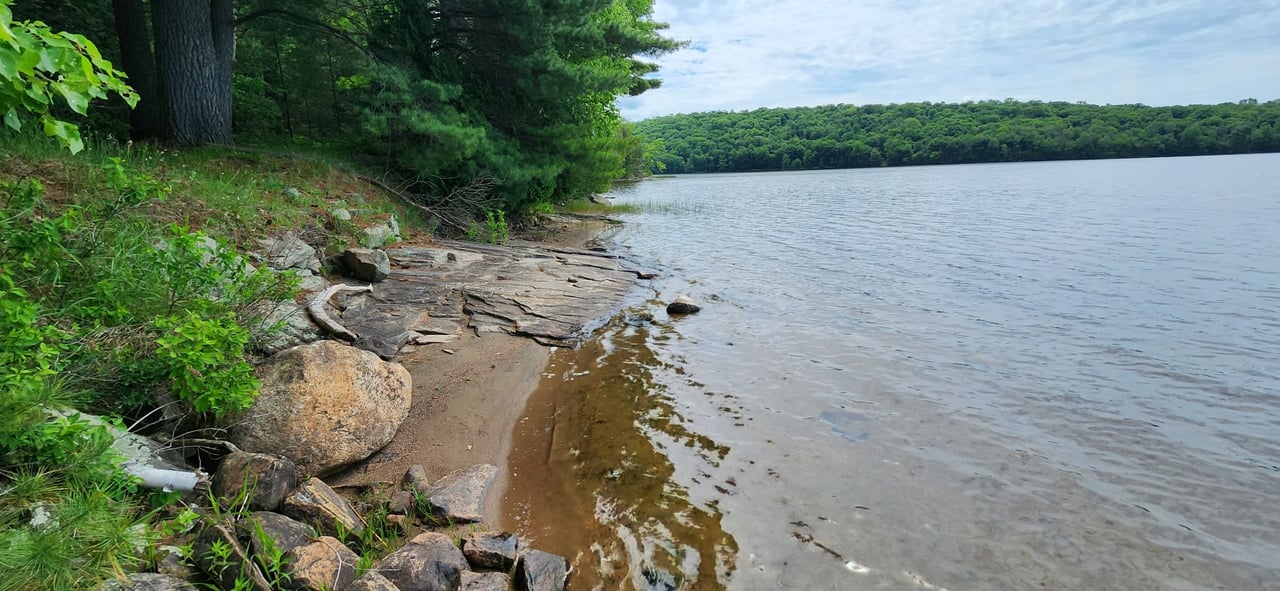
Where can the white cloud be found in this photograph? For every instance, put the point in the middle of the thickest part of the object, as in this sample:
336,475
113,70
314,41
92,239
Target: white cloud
754,53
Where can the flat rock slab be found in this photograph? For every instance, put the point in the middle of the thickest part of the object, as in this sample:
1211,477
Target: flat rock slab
553,295
458,496
485,582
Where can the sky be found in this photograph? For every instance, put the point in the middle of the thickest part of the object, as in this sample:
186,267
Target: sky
745,54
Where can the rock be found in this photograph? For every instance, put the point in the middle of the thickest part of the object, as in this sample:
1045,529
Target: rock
378,236
266,531
491,551
283,325
313,284
341,214
394,226
169,562
366,264
429,562
289,252
316,504
292,193
148,582
485,582
400,522
400,503
217,551
372,581
599,199
459,495
266,478
324,406
683,305
541,571
324,565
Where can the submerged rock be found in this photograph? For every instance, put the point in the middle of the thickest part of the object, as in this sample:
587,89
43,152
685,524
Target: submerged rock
683,305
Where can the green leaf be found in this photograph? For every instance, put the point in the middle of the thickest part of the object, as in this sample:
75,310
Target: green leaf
8,62
11,119
77,101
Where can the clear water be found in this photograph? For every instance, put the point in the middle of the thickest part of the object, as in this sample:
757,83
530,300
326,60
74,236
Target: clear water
1044,375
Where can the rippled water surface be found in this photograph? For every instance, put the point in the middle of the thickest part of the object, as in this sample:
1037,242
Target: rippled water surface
1049,375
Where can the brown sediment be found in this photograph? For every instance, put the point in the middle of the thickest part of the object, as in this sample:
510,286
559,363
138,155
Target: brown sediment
591,479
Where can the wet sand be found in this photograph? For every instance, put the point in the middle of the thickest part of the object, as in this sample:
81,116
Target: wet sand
468,396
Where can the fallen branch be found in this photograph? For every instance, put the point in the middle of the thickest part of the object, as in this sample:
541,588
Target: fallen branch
322,318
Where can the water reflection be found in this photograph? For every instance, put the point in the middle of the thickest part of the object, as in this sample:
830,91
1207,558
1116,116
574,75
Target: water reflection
596,464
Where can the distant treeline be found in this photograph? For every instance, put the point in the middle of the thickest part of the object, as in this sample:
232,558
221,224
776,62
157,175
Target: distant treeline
847,136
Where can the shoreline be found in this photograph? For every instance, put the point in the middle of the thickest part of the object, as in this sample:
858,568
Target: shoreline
469,397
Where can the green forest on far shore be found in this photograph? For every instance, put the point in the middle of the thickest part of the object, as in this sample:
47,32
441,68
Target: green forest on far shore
848,136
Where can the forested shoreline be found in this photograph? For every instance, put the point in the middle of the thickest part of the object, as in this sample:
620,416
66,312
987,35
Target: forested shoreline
848,136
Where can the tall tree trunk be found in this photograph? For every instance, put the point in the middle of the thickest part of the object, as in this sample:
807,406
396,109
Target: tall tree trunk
194,67
140,64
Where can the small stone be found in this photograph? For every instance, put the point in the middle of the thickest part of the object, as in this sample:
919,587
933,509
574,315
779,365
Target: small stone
491,551
485,582
400,503
265,478
341,214
400,522
683,305
372,581
292,193
316,504
429,562
267,530
646,275
367,264
378,236
323,565
541,571
169,562
451,257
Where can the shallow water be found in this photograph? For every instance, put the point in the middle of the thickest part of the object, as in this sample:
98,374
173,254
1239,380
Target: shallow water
1049,375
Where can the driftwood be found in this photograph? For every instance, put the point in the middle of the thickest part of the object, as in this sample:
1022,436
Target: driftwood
322,318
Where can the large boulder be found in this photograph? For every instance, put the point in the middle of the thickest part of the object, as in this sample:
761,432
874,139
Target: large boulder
318,505
324,405
265,479
289,252
366,264
458,496
429,562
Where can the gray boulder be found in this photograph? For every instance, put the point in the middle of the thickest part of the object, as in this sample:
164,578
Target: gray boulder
266,530
485,582
491,551
341,214
366,264
429,562
379,236
284,325
316,504
289,252
266,479
458,496
541,571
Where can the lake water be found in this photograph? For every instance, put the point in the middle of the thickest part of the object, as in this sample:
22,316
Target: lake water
1015,376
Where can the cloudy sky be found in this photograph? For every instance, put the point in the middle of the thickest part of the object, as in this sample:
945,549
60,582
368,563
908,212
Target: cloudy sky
745,54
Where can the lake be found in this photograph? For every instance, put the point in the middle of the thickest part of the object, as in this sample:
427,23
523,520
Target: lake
1043,375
